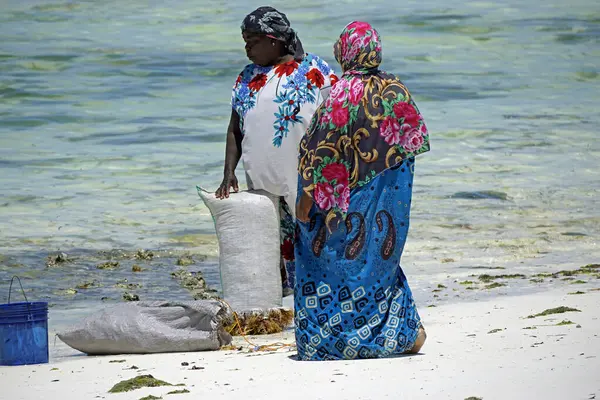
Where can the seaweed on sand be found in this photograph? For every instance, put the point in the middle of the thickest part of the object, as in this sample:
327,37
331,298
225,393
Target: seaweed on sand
494,285
485,278
259,323
557,310
586,269
589,269
182,391
137,383
565,322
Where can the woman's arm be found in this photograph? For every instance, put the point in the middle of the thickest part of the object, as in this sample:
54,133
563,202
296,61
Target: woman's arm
233,152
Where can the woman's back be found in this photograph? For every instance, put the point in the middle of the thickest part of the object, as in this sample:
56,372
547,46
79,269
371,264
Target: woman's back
355,177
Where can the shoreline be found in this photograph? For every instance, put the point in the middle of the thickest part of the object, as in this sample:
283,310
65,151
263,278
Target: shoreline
474,348
444,288
87,280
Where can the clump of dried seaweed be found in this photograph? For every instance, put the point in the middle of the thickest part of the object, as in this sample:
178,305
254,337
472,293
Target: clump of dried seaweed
259,323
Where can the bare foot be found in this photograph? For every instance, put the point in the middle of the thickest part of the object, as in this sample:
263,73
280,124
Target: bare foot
421,337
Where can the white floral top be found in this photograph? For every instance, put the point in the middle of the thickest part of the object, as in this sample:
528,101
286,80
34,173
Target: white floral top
275,105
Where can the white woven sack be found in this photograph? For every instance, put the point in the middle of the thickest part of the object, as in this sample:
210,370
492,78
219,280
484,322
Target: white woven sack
247,225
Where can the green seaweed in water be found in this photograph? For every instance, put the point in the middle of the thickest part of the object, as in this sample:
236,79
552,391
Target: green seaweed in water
495,330
131,297
530,327
151,397
87,285
467,283
440,286
66,292
577,292
144,255
195,283
473,398
578,282
123,284
60,258
137,383
182,391
185,261
557,310
109,265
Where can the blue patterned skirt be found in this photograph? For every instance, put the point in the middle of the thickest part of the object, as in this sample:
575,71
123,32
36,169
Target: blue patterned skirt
352,299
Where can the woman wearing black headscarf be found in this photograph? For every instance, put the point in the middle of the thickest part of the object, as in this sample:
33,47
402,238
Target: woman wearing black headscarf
273,101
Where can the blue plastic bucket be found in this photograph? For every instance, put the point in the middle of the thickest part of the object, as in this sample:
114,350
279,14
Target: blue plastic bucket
23,331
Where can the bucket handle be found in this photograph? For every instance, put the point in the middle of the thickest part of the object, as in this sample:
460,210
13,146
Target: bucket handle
22,291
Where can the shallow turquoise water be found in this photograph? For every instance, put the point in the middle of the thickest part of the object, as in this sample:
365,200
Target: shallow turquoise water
111,112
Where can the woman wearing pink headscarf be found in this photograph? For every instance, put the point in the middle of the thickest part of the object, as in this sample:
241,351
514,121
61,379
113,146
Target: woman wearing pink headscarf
356,166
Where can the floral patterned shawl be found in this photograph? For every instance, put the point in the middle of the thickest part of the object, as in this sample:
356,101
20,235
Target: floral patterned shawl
369,124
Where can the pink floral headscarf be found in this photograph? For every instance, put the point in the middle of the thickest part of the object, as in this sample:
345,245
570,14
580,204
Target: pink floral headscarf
368,124
358,49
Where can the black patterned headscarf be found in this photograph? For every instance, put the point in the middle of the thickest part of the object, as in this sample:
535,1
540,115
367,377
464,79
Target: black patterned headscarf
274,24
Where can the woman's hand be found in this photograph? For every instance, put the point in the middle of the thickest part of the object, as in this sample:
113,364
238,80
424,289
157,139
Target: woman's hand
229,182
303,207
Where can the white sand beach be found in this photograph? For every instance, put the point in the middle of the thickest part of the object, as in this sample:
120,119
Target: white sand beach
111,112
479,349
